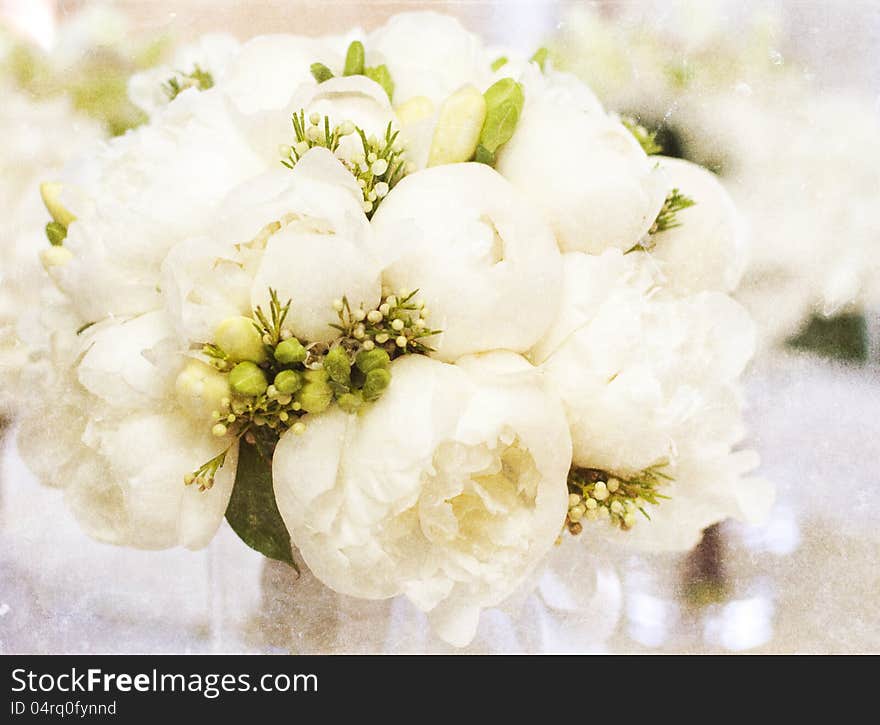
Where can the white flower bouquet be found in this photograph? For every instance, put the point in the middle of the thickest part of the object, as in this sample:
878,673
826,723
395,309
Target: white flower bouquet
415,306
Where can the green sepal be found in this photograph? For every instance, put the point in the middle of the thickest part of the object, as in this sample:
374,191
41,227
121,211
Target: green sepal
252,512
540,57
56,233
321,72
354,59
381,75
504,104
499,63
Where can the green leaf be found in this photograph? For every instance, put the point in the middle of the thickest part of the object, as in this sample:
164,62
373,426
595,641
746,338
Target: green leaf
252,512
844,337
382,76
504,103
354,59
321,72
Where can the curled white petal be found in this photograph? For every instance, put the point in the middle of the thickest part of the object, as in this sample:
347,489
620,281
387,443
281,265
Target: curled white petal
485,264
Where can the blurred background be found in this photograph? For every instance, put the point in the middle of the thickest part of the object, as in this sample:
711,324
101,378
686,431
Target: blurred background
781,99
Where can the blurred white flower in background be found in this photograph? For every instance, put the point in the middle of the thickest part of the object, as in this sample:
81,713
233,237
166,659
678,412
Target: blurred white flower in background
802,162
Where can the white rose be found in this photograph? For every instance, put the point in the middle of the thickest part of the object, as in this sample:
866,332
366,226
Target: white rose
582,168
449,489
485,264
707,250
427,54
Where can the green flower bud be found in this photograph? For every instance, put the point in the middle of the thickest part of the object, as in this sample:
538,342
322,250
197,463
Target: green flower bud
201,388
290,351
458,128
354,59
321,72
316,376
239,339
337,365
50,192
375,384
382,76
315,397
350,402
367,360
248,379
288,381
56,233
499,62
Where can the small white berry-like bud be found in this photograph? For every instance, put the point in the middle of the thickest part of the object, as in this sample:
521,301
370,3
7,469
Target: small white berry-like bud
613,484
401,341
576,513
591,504
298,428
312,133
381,189
384,308
362,183
337,305
359,314
315,118
629,520
271,391
379,167
284,150
616,507
391,302
372,196
300,147
374,316
283,416
368,206
230,418
419,323
296,406
219,430
346,128
215,414
573,499
359,332
397,324
368,345
382,337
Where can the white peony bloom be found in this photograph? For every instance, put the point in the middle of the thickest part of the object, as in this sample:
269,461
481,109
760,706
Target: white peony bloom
634,367
428,54
581,167
706,251
485,264
455,512
29,154
209,54
269,69
142,193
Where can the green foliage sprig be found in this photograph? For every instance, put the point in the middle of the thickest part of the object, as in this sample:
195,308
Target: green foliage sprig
355,66
647,139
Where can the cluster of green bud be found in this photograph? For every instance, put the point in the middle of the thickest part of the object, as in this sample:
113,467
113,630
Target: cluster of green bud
595,495
179,82
355,65
379,165
399,325
262,379
647,139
